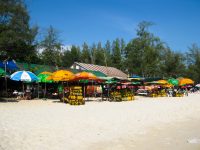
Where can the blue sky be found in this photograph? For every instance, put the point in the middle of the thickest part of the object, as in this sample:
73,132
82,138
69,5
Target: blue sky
177,22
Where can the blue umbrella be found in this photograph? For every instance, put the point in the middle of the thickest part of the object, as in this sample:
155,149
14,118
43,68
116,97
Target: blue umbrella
24,76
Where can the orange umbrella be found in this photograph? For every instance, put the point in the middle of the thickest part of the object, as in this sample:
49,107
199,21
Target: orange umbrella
86,76
46,72
162,82
61,75
168,85
185,81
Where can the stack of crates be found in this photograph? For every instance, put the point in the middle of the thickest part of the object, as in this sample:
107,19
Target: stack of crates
76,96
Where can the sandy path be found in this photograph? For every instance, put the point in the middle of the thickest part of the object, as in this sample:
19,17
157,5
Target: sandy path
159,123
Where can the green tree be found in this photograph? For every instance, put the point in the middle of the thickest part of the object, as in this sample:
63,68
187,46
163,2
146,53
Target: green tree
85,55
75,54
51,48
93,53
143,52
107,53
172,63
100,59
67,60
193,62
123,59
16,35
116,54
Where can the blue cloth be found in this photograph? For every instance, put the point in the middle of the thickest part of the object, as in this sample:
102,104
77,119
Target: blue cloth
10,65
2,65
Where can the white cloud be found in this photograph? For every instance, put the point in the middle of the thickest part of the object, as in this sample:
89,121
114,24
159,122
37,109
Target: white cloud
123,23
66,48
63,48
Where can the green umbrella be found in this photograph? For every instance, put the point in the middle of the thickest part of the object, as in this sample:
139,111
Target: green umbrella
112,80
173,81
2,72
83,81
43,78
136,83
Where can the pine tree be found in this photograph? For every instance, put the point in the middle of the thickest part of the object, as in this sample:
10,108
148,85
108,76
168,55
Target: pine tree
16,35
100,55
116,55
51,46
85,55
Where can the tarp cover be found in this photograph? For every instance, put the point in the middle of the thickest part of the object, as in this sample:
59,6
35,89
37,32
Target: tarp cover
10,65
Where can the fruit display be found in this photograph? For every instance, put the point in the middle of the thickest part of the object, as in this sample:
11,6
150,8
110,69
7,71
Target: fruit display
116,96
179,94
76,96
162,93
127,95
121,95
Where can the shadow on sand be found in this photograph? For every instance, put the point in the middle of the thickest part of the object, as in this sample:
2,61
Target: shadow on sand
5,100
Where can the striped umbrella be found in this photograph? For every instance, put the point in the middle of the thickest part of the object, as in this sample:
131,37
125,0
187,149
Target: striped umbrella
26,76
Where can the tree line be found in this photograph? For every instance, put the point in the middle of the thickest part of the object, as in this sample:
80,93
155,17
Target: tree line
145,55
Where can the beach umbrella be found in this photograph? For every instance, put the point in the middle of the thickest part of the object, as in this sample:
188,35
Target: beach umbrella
62,75
151,83
185,81
46,72
111,81
173,81
42,78
136,78
162,82
2,72
26,76
197,85
85,76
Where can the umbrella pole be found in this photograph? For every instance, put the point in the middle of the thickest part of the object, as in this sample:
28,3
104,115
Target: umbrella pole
108,91
23,88
45,90
38,90
63,92
92,89
84,90
6,83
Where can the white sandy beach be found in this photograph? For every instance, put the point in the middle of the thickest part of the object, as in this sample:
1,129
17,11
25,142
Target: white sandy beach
143,124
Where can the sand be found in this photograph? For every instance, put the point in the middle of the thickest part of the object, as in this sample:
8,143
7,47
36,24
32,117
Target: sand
168,123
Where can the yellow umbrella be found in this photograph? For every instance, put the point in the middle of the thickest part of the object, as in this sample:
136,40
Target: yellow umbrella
168,85
185,81
162,82
62,75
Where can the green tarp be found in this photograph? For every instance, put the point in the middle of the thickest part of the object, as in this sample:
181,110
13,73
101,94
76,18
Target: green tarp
37,69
